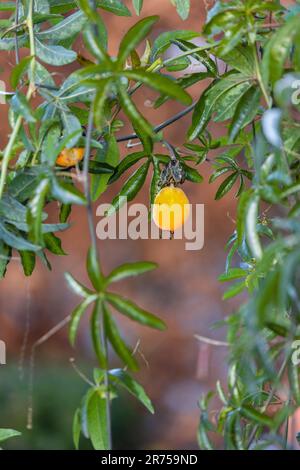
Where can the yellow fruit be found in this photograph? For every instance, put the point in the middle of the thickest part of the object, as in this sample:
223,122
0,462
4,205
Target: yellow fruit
70,157
170,209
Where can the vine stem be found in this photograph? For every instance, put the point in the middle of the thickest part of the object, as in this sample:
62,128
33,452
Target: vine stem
92,232
30,92
161,126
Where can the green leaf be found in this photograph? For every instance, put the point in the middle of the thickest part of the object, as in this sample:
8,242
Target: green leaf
113,335
251,227
183,8
130,188
15,240
234,290
97,421
48,155
134,36
160,83
19,70
229,100
239,58
137,5
77,287
122,378
114,6
109,154
8,433
278,49
140,124
134,312
208,102
245,112
53,244
164,40
68,27
28,262
201,56
72,127
93,269
231,274
67,193
95,327
76,317
100,101
20,105
191,174
5,256
126,163
54,55
35,212
226,185
129,270
76,428
293,374
251,413
65,210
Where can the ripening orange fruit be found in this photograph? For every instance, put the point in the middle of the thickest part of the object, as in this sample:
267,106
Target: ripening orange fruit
171,208
69,157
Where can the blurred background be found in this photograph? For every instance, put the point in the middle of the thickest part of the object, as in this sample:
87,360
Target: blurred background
176,369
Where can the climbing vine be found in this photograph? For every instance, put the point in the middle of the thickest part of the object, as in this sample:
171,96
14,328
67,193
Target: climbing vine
63,147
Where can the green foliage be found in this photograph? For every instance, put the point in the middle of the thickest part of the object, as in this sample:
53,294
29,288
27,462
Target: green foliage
251,62
261,151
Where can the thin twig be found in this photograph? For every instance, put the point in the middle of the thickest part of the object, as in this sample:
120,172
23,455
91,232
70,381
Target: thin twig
211,341
161,126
